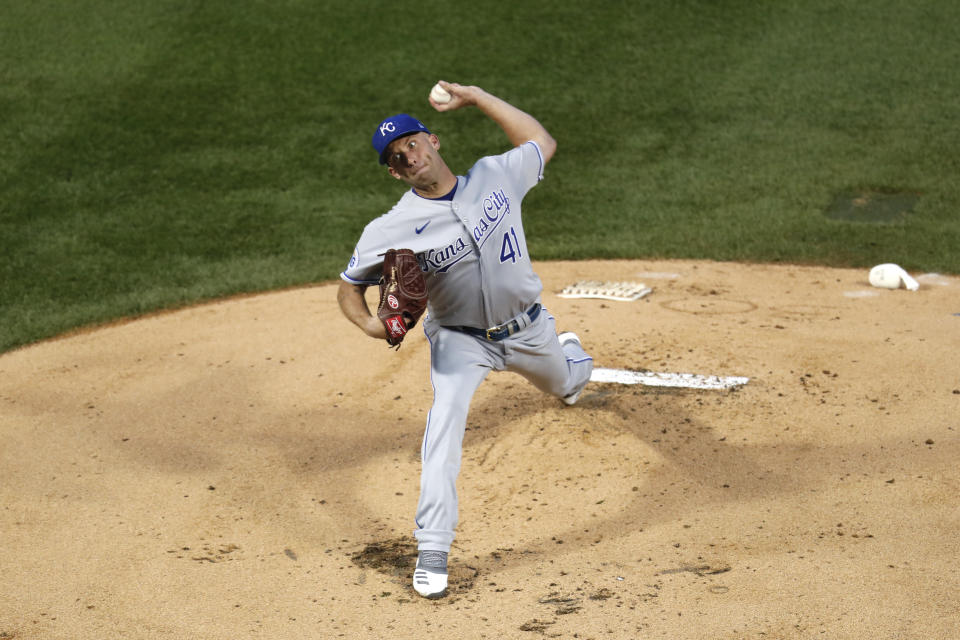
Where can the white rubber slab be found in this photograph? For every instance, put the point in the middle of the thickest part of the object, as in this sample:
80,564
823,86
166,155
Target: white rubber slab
654,379
619,291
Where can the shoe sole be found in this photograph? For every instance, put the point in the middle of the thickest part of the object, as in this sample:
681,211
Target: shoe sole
564,338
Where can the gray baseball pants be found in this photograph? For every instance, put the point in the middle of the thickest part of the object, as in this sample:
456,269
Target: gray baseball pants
458,364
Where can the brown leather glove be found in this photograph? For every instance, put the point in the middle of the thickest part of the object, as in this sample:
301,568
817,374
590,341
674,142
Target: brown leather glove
403,294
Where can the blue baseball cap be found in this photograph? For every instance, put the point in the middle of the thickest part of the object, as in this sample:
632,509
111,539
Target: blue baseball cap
392,128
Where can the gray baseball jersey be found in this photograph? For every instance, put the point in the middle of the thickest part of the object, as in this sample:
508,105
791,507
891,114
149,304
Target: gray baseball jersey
472,249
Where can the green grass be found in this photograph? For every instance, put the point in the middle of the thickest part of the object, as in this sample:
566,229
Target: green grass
153,154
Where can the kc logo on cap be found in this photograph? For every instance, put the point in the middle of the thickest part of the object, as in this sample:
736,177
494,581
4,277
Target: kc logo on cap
392,128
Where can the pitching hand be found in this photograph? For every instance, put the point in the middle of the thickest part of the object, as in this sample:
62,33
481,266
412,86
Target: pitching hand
460,96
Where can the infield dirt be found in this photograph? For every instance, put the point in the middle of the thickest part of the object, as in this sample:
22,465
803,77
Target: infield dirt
250,469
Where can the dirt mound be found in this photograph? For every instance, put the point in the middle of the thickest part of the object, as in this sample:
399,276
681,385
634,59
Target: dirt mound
223,472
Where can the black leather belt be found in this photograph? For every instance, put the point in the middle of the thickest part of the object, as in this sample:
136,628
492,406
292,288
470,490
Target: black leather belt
506,329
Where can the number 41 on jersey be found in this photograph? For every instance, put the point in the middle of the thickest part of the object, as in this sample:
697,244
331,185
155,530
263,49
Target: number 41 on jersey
510,249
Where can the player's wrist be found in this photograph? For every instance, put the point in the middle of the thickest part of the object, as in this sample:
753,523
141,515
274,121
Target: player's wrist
374,328
484,100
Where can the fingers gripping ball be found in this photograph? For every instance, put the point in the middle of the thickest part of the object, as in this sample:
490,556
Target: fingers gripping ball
403,294
439,94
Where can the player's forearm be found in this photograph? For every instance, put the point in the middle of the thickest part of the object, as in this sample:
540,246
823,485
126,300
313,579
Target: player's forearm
519,125
353,304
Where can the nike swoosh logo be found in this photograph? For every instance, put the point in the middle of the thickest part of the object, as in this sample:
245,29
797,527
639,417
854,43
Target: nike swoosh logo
419,230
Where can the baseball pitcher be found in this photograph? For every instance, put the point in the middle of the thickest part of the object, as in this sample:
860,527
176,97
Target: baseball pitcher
483,303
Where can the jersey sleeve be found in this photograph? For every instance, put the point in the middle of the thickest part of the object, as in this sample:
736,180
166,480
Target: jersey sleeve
525,164
366,263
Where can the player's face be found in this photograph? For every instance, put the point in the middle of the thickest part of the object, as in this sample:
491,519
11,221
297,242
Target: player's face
414,158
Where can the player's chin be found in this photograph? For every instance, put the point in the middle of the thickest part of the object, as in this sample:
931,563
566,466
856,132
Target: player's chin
424,180
416,177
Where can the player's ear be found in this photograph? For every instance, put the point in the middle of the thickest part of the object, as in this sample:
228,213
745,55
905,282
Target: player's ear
394,173
434,141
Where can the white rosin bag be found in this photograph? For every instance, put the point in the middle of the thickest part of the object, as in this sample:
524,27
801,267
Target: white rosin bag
891,276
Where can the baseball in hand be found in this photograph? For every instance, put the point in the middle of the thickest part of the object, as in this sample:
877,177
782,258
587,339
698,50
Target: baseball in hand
439,94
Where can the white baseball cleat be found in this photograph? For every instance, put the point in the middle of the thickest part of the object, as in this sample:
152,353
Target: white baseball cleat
430,576
564,338
571,399
568,336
